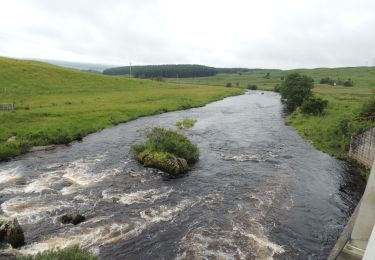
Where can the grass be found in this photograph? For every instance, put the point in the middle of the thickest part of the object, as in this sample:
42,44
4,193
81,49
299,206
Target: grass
329,132
69,253
56,105
168,151
186,123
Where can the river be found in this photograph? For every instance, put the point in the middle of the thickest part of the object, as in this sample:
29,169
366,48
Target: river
259,191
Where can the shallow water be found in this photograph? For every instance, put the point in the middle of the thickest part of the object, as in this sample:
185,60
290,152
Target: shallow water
258,192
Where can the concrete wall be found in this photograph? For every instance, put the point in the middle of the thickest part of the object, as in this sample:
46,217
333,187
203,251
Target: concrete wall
362,147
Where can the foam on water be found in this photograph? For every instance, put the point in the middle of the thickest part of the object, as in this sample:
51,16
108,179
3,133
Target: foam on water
29,210
44,182
10,176
141,196
88,237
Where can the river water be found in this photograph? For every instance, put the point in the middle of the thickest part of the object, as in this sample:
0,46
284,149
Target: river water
258,192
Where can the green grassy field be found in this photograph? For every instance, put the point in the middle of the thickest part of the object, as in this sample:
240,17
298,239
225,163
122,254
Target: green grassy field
55,105
330,132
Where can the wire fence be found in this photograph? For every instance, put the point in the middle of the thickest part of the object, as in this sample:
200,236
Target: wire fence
6,107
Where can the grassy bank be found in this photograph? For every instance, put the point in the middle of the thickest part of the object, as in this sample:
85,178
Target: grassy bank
330,132
55,105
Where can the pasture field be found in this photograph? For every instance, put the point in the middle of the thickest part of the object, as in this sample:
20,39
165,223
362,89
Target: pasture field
55,105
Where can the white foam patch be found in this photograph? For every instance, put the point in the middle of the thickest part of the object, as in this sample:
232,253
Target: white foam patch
206,243
31,210
10,176
137,197
79,174
164,213
88,237
242,158
43,182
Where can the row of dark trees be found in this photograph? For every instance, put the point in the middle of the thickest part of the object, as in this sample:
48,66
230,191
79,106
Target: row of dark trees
347,83
171,71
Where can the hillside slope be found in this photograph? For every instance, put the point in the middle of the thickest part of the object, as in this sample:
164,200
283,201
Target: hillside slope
56,105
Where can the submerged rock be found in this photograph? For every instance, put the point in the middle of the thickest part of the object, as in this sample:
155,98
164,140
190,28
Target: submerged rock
11,232
72,218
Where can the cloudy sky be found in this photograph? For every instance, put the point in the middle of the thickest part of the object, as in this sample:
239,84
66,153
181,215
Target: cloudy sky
241,33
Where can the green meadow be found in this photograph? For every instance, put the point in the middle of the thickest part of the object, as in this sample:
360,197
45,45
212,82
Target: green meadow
56,105
329,132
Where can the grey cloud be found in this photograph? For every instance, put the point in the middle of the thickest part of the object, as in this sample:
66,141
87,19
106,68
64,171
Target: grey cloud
297,34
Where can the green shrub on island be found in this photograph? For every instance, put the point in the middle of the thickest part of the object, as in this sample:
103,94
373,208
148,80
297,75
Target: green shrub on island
252,87
72,252
167,150
186,123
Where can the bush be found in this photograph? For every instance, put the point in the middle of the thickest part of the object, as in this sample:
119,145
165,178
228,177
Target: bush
186,123
368,109
228,85
327,80
276,88
167,150
252,87
295,89
73,252
314,105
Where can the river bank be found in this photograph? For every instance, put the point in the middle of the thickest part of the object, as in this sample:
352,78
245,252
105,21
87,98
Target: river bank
56,105
329,132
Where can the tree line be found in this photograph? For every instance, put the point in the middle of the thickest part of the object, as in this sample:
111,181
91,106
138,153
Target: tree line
171,71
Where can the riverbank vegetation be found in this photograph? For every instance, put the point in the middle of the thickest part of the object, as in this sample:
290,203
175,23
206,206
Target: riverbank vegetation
73,252
55,105
168,151
330,131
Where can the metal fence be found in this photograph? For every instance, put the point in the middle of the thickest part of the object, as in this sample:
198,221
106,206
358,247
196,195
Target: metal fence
6,107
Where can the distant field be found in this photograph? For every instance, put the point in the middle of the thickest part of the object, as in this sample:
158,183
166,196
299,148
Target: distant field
324,132
362,77
55,105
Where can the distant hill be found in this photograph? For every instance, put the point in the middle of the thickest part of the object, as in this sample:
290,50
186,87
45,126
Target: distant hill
89,67
171,71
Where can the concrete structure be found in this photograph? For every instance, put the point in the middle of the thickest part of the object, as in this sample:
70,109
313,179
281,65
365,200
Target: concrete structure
358,243
370,250
362,147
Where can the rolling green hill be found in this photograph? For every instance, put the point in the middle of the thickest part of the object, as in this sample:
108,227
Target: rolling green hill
56,105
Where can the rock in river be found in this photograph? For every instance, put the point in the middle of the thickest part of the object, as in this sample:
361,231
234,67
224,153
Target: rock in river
73,218
11,232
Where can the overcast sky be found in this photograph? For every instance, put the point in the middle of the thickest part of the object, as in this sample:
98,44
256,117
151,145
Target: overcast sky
234,33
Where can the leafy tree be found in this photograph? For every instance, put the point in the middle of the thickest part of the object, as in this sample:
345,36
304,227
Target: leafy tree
295,89
314,105
267,76
228,85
